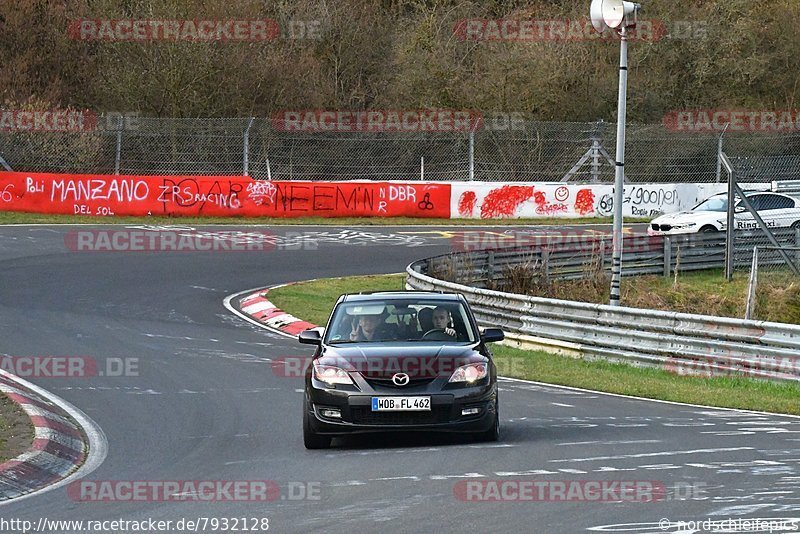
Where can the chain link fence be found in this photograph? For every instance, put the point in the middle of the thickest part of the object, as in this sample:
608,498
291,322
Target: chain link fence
770,261
495,150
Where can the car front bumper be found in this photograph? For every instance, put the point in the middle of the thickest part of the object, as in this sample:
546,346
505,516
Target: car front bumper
445,414
672,231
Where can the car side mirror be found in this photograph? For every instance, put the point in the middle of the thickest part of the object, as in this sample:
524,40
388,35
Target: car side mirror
739,209
310,337
491,335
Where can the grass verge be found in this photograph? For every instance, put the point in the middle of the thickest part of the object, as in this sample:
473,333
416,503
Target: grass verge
313,301
10,217
16,430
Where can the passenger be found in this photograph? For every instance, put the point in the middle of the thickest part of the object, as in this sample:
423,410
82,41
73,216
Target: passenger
371,328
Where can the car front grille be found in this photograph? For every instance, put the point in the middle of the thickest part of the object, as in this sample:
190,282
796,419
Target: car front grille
661,227
363,415
387,382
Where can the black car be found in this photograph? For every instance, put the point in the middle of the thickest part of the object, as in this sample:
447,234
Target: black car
400,361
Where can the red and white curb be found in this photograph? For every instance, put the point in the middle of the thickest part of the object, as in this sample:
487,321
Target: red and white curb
256,306
61,443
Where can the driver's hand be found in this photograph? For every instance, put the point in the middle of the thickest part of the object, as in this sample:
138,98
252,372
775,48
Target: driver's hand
450,332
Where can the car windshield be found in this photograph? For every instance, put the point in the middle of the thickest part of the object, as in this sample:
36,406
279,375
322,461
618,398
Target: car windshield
712,204
420,320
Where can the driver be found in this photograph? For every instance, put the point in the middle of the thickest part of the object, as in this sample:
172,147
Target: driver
441,321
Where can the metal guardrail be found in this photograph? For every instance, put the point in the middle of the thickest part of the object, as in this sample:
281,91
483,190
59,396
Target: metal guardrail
680,342
566,255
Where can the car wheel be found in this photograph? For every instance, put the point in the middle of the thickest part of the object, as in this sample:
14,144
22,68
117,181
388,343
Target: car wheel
796,225
493,434
707,229
311,439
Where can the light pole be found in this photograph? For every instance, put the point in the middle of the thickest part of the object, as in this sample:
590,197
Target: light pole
617,15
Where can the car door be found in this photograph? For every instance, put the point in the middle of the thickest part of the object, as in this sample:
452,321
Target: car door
780,209
743,219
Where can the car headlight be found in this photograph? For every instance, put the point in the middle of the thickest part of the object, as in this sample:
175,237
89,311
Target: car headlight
470,373
331,374
684,225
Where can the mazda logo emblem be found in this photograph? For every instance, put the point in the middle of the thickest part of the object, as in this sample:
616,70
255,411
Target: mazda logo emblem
400,379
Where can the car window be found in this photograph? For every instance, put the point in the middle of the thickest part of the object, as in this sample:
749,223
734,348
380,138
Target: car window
393,320
712,204
774,202
754,200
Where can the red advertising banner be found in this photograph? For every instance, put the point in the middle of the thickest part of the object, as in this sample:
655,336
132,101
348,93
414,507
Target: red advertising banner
221,196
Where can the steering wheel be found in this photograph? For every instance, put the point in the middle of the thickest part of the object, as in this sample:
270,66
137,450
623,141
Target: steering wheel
436,334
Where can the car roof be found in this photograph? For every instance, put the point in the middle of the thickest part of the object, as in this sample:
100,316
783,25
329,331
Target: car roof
750,194
399,295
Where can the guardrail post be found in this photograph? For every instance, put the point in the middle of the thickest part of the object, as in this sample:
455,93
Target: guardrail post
667,256
489,268
797,244
546,264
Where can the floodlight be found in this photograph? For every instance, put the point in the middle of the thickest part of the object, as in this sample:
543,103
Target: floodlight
615,12
596,13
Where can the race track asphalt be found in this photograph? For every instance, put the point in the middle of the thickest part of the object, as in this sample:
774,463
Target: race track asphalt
204,404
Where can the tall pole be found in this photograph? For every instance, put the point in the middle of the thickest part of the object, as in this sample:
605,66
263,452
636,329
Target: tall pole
619,177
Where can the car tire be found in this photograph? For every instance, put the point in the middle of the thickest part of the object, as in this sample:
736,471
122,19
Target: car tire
311,439
796,225
493,434
708,229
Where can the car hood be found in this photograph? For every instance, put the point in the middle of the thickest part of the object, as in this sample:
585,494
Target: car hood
420,360
685,217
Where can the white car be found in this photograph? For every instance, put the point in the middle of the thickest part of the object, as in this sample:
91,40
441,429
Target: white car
777,210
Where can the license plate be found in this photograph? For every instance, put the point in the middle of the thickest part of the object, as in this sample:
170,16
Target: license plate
401,404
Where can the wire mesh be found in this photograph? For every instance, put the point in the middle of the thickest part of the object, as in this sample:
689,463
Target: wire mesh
517,150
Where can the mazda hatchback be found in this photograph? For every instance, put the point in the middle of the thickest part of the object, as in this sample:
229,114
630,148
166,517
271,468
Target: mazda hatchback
396,361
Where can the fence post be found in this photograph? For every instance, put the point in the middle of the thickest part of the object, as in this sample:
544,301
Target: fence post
667,256
118,156
5,165
751,286
719,152
730,216
246,150
471,154
421,168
